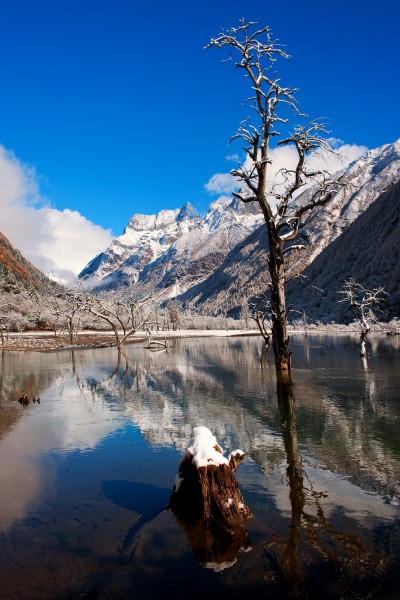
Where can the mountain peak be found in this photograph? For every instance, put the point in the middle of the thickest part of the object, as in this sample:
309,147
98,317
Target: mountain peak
176,251
187,212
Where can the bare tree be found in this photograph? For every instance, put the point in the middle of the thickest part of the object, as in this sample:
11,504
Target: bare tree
363,302
4,329
272,105
125,316
260,312
67,309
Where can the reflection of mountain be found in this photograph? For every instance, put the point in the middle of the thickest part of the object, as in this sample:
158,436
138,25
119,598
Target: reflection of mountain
81,478
347,418
223,385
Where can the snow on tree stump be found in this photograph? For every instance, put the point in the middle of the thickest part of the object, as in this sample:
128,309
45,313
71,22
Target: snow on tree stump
207,502
205,487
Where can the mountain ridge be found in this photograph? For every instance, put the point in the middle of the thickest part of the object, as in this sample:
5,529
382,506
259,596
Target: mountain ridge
213,264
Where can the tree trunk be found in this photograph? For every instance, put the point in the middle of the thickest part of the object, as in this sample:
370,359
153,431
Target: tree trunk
280,339
207,502
206,487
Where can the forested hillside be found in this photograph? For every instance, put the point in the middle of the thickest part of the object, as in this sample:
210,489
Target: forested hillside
368,250
23,288
16,272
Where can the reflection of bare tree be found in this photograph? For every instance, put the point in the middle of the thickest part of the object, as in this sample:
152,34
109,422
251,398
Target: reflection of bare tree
166,394
15,384
312,539
290,561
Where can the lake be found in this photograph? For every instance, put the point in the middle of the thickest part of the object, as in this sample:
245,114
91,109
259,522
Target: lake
86,474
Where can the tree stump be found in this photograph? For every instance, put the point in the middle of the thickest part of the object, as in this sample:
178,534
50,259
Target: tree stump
205,487
208,504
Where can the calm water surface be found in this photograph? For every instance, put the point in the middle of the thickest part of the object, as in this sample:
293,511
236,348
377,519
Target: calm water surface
85,475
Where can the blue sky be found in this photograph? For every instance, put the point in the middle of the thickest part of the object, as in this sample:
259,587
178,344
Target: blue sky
112,107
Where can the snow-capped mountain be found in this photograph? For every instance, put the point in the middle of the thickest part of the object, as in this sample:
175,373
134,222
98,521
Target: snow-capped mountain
145,239
172,249
212,264
244,271
368,177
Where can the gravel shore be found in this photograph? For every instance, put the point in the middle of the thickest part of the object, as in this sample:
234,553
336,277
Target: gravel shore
46,341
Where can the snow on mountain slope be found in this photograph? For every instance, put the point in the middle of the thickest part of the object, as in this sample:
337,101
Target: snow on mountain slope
368,177
244,271
145,238
155,248
212,263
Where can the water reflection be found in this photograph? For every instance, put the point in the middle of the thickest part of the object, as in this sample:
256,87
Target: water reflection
100,453
340,553
67,419
213,545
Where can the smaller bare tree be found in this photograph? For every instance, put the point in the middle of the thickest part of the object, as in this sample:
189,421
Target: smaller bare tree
261,314
66,310
363,303
125,316
4,328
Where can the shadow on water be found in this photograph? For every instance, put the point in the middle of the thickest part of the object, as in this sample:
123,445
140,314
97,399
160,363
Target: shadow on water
146,500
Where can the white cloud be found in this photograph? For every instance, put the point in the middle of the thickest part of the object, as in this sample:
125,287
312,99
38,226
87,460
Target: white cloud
57,242
221,183
284,158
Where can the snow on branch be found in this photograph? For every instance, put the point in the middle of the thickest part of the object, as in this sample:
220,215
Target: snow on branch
272,105
361,298
363,302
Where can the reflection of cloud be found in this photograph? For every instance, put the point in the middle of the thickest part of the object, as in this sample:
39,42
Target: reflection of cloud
20,480
61,242
79,423
75,423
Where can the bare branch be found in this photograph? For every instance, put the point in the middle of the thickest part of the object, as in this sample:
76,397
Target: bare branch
256,54
363,302
294,247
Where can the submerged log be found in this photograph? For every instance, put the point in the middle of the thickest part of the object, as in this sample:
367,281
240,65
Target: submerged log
205,487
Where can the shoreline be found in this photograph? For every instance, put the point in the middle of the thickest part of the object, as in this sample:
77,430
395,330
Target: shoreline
46,341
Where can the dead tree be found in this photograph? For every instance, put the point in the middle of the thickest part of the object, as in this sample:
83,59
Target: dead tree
205,487
260,312
125,316
207,502
66,310
257,53
363,303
